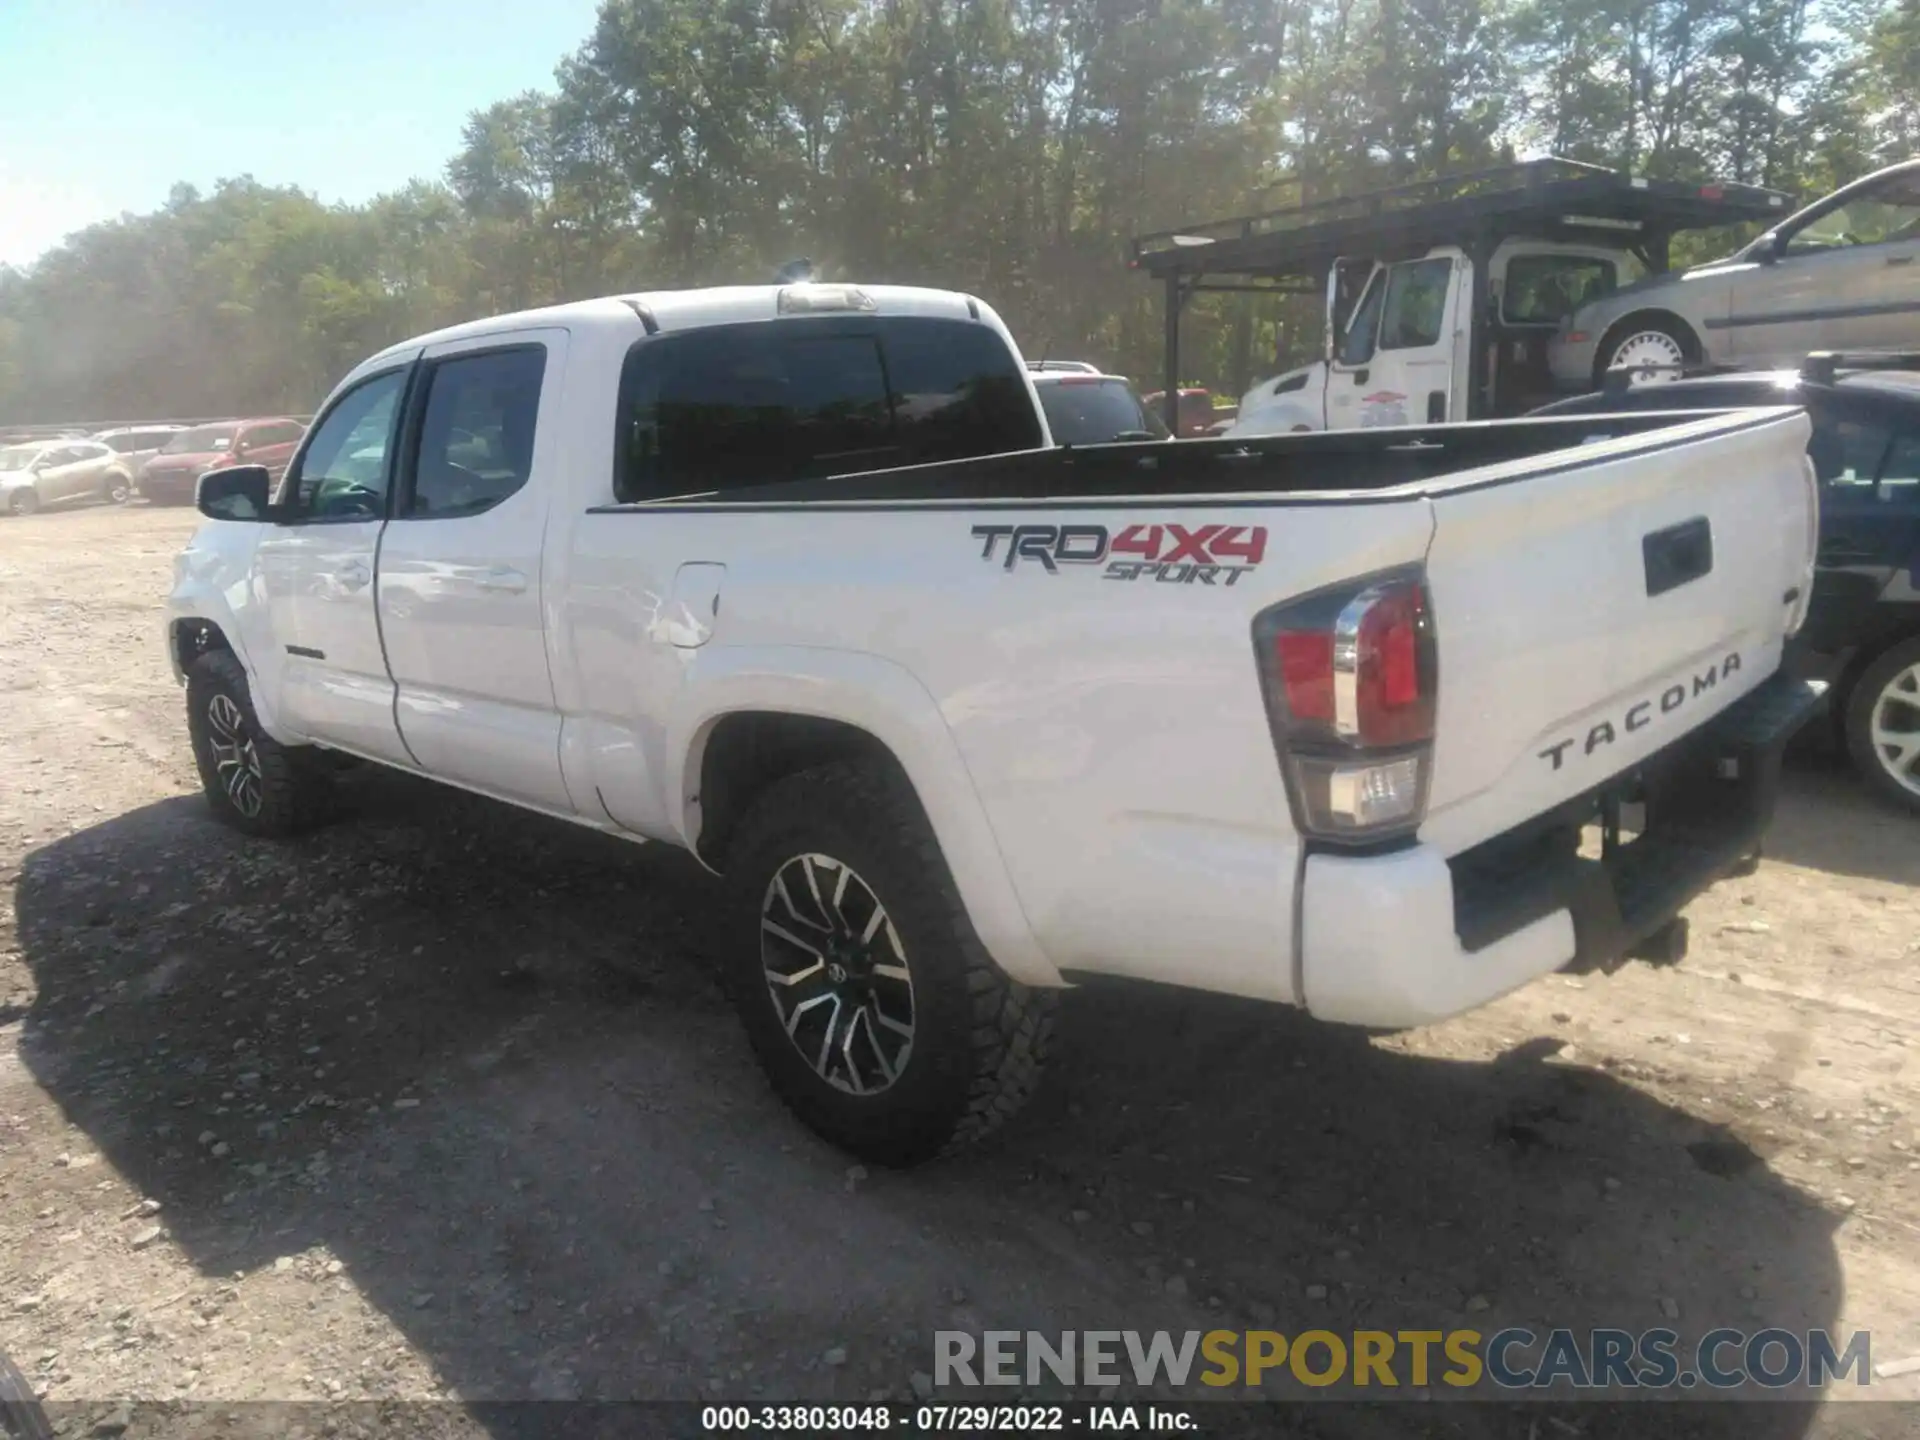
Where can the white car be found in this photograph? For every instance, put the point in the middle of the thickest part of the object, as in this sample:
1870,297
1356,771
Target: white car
790,576
1842,274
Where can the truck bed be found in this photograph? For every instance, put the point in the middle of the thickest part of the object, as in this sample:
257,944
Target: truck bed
1349,465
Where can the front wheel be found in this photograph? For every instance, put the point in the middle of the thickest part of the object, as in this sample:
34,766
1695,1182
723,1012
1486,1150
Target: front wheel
21,1415
115,488
25,501
252,782
1883,725
871,1004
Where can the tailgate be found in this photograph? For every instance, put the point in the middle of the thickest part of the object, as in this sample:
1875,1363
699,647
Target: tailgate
1593,608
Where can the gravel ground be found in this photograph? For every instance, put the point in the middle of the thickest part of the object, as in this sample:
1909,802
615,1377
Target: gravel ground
442,1103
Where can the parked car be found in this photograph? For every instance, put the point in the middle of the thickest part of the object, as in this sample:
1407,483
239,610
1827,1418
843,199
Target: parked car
137,444
1863,628
1842,274
976,713
1095,409
61,472
169,477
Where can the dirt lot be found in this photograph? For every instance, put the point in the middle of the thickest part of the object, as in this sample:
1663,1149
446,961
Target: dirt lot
442,1102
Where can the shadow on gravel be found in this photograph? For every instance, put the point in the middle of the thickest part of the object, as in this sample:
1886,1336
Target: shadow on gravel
1828,820
477,1058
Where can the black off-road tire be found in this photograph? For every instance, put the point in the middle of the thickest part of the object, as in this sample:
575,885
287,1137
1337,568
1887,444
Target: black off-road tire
1862,701
293,790
21,1417
980,1037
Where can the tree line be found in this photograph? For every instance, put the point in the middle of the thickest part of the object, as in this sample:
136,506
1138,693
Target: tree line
1006,147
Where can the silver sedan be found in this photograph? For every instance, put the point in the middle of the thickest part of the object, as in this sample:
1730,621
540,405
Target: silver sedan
1842,274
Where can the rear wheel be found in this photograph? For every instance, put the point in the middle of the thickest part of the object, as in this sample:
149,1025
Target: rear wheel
1883,724
252,782
870,1002
115,488
1646,341
25,501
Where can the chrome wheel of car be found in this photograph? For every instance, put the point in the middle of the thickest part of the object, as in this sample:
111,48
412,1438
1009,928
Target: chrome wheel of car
837,974
118,490
1894,728
1648,348
235,759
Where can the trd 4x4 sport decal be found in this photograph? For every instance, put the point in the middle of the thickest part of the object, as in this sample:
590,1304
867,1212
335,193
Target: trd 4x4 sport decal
1167,553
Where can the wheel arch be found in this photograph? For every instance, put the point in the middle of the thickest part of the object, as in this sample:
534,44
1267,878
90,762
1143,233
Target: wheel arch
753,717
191,636
1861,659
1860,752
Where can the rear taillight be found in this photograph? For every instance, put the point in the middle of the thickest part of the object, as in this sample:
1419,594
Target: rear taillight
1351,685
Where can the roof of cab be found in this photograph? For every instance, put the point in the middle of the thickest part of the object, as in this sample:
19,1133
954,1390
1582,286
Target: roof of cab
688,310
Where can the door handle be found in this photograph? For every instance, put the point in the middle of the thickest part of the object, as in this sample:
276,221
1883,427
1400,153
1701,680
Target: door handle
1360,376
502,580
354,575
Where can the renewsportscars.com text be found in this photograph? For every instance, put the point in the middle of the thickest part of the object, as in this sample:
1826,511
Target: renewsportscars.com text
1511,1359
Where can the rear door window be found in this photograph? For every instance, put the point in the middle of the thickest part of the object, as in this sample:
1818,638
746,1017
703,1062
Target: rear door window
731,406
1898,489
1846,454
1541,289
476,436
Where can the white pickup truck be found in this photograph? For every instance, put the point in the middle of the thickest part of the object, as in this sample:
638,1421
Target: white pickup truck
789,576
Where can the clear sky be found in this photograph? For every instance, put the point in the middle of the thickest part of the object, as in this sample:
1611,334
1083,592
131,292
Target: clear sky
104,104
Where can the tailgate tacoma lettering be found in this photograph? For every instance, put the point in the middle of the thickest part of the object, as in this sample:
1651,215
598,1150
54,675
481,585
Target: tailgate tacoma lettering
1640,714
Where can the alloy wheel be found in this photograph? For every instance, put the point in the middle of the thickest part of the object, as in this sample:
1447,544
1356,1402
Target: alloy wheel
235,758
1894,728
837,974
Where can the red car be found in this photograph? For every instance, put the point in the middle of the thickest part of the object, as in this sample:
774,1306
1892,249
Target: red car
170,476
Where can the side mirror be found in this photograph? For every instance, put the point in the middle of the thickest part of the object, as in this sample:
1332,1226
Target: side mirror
1769,248
234,492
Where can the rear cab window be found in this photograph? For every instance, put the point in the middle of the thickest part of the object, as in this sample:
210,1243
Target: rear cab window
1544,289
760,403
